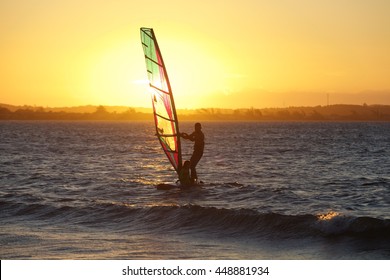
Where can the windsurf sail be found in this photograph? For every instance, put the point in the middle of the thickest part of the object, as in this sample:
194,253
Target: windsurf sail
164,111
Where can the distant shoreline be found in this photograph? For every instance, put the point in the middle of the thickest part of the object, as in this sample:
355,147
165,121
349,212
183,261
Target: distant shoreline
341,112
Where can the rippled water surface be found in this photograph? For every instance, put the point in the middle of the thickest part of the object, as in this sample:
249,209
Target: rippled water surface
272,191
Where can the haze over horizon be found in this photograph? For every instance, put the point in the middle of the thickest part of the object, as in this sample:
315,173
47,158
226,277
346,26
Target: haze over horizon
224,54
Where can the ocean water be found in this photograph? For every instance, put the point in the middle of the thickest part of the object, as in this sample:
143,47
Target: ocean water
86,190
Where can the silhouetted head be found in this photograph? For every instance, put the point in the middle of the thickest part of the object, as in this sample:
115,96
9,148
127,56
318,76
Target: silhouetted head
198,126
187,164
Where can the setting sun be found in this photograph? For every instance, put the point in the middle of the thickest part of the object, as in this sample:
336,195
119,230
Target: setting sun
218,54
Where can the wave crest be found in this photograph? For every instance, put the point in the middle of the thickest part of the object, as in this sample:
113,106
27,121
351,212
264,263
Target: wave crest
190,218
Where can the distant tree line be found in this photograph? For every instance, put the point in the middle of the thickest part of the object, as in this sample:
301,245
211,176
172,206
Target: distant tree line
41,114
319,113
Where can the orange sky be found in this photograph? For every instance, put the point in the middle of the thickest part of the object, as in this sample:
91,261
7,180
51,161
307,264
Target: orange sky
218,53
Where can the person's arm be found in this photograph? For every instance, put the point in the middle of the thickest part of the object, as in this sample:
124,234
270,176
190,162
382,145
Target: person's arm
189,137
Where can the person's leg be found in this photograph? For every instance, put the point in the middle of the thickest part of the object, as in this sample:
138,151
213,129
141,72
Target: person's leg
195,158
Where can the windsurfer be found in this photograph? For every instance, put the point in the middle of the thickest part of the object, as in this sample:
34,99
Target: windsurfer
198,137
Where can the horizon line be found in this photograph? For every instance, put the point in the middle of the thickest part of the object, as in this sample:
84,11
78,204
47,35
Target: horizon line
193,109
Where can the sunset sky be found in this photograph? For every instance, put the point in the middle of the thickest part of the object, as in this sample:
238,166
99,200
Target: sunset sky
219,53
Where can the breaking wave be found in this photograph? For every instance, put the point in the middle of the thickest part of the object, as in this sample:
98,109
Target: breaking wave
223,222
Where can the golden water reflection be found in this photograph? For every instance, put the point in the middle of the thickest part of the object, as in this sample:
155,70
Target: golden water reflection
328,216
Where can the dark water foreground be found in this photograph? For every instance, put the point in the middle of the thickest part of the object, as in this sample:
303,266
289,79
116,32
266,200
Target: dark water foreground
76,190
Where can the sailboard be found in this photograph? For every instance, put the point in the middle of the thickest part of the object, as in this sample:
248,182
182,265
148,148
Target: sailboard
164,110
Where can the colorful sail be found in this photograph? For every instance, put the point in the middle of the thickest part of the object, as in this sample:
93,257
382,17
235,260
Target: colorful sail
165,118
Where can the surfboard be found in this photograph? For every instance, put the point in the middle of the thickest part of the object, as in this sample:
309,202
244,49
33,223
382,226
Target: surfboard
170,186
167,186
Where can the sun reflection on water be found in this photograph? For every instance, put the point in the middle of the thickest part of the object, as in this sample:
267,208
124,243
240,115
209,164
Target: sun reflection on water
328,216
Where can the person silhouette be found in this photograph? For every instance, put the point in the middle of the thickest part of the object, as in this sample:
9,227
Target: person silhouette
198,137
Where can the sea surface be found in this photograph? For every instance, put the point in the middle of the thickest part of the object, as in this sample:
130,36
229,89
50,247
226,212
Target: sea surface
272,190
